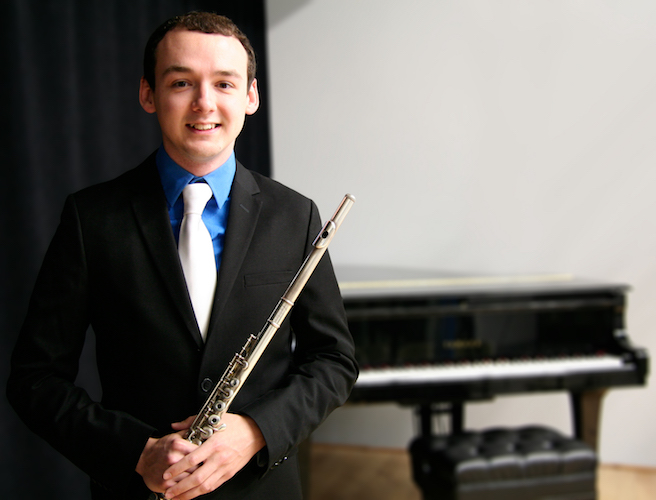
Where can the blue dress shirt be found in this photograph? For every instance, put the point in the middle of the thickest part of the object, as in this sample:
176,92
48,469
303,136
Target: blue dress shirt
215,216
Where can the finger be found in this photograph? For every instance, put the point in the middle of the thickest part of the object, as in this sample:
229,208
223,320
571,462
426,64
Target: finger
204,481
177,479
188,463
180,446
185,424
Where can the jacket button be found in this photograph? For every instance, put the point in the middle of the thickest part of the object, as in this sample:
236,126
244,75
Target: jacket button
206,385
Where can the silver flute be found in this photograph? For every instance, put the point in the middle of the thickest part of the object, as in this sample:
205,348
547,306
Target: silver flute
208,420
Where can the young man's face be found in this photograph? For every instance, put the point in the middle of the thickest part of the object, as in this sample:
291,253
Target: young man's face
201,97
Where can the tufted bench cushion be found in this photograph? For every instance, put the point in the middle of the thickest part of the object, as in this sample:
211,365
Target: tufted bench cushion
529,463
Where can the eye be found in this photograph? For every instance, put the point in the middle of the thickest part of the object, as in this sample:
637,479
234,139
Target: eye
224,85
180,84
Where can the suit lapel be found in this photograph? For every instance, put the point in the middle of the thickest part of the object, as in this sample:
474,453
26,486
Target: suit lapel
244,213
149,206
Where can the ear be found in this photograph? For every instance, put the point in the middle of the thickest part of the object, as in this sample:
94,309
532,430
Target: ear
146,96
253,98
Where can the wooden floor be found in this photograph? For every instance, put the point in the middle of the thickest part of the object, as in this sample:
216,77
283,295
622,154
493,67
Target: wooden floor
358,473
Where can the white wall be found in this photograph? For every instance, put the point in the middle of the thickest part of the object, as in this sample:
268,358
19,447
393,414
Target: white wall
505,136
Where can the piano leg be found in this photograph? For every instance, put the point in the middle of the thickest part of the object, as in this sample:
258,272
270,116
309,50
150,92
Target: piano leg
586,412
455,410
457,417
425,414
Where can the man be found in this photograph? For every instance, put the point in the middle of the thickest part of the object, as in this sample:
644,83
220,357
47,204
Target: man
113,264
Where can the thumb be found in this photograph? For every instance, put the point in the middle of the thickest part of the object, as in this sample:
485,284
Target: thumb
185,424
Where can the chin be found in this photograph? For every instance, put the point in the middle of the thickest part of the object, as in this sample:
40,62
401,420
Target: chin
204,154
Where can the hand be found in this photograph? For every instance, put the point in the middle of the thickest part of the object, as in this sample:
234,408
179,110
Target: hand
211,464
159,454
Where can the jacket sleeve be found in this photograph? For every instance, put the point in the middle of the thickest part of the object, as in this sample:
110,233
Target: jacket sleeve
45,361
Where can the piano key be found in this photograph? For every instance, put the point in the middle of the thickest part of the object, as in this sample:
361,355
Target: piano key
488,369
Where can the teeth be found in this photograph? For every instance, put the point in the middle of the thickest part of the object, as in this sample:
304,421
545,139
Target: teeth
202,126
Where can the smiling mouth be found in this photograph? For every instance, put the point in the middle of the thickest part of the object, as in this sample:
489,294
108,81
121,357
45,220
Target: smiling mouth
202,126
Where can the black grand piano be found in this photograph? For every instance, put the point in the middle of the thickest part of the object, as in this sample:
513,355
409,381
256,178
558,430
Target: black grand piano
435,341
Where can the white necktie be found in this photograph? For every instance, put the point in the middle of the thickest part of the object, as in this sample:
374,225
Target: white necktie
197,253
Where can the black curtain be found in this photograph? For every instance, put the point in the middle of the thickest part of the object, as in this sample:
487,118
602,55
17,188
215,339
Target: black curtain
70,79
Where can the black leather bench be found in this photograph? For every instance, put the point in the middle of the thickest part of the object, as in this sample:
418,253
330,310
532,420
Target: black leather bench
529,463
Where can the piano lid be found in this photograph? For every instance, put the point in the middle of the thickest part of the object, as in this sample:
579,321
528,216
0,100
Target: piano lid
369,282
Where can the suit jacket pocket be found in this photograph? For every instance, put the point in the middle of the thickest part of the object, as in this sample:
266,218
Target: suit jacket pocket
272,278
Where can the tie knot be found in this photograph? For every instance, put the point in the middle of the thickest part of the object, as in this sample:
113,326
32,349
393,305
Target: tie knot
195,197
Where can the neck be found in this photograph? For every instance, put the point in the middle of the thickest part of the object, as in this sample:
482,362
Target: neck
199,168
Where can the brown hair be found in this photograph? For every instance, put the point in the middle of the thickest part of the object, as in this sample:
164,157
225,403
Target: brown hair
207,22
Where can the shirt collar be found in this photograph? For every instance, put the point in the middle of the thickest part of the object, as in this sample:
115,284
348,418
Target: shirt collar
174,178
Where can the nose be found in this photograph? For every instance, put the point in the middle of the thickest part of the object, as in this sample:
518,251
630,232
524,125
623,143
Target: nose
203,101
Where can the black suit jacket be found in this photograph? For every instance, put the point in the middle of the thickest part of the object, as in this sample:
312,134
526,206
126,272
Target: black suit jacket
113,264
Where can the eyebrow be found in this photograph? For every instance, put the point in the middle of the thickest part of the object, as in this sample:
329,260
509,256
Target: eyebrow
184,69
